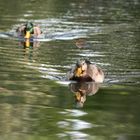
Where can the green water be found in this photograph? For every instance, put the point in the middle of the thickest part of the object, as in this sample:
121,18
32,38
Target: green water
36,103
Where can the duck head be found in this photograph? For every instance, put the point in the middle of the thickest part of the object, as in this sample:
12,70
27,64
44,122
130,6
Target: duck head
81,67
28,30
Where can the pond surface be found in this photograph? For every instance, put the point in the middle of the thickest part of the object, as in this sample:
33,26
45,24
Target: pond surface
37,103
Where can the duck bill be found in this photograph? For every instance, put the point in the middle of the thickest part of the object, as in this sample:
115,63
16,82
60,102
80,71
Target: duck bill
28,34
78,72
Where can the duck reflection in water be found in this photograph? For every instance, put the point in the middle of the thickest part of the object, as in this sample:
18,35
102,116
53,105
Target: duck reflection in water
83,89
30,48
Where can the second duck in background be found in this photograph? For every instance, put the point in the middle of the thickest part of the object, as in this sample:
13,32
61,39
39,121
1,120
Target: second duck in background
29,30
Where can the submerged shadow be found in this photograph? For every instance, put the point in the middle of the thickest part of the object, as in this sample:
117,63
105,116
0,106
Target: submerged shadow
83,89
82,43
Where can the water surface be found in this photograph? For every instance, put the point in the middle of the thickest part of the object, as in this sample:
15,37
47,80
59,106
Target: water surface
35,100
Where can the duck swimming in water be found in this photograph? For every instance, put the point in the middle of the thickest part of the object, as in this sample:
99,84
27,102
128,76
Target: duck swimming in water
28,30
85,71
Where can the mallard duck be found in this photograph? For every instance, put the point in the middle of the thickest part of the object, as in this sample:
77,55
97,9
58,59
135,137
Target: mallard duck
85,71
27,30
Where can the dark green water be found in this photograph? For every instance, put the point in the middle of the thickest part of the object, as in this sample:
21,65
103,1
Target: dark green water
35,101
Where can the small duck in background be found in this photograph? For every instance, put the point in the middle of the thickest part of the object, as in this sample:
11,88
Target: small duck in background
29,30
85,71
